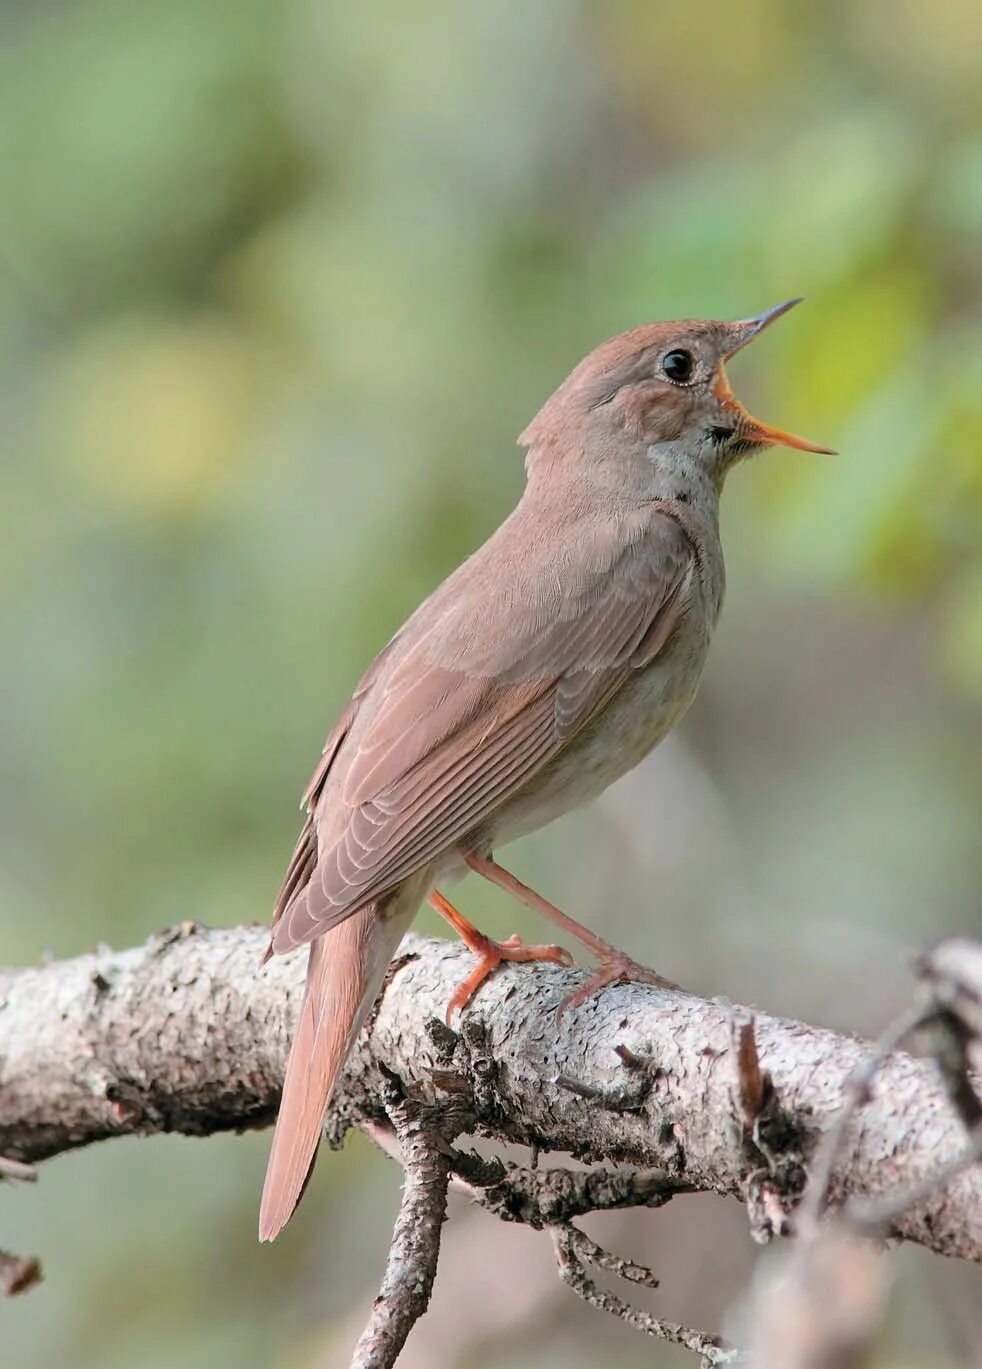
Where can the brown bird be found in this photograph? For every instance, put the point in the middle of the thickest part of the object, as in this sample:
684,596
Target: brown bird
544,668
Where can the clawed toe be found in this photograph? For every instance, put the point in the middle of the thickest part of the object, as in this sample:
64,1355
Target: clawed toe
491,954
614,968
613,965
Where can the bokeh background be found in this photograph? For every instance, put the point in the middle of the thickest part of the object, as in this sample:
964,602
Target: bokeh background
279,285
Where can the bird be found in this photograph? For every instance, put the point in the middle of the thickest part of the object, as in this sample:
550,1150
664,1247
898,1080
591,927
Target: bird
547,665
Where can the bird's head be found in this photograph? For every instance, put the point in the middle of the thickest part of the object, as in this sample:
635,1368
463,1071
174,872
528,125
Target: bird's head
662,388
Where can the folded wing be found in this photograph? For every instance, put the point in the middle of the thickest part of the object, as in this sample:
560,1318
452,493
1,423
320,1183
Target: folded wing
462,715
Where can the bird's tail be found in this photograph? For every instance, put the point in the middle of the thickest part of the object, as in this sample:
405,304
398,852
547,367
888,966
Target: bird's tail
344,974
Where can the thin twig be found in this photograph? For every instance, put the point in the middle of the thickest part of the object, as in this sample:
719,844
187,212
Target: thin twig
947,1013
855,1094
871,1215
949,1040
952,975
623,1268
17,1274
712,1350
17,1169
629,1096
820,1308
751,1080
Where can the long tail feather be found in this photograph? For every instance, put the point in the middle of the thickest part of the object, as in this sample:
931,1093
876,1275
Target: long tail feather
344,974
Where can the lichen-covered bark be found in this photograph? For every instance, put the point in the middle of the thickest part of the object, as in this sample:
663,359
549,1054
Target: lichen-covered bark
415,1246
187,1034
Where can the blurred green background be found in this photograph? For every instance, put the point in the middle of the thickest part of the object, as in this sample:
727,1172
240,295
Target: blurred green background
279,285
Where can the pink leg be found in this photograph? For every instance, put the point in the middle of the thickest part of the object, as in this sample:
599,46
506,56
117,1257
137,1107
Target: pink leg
614,964
490,953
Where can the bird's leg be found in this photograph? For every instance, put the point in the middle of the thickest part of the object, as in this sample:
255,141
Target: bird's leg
490,953
614,965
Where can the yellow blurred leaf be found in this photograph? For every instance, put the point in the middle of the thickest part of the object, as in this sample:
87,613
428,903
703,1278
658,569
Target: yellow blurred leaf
155,415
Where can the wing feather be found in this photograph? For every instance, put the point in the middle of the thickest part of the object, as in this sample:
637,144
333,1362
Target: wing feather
463,716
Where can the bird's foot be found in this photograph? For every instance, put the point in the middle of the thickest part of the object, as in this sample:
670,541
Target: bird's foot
490,954
614,968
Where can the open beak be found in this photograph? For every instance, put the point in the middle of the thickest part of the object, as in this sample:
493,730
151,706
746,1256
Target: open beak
751,430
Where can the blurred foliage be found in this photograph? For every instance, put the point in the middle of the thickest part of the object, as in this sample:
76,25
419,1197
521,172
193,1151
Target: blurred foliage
279,284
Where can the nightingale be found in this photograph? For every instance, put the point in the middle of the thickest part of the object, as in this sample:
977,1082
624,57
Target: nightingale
546,666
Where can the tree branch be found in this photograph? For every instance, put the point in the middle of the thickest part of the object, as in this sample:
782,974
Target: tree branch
186,1034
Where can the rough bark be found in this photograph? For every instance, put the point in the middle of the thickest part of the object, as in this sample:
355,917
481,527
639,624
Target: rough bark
414,1250
186,1034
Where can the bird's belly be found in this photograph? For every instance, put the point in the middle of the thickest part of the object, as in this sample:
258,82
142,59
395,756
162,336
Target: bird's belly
633,723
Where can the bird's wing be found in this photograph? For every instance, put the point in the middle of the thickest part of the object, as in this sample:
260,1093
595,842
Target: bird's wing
304,858
476,704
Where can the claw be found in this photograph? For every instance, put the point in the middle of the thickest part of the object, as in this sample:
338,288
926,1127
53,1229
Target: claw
614,968
491,954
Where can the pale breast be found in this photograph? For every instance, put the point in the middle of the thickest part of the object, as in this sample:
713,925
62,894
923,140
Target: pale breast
645,709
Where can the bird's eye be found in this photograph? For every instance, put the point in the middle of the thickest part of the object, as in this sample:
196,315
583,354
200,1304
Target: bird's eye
678,365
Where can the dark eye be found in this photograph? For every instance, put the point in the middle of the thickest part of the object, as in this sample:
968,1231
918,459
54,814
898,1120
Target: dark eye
678,365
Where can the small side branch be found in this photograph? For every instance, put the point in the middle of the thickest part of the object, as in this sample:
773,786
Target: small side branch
946,1020
821,1307
18,1274
545,1197
574,1252
415,1247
